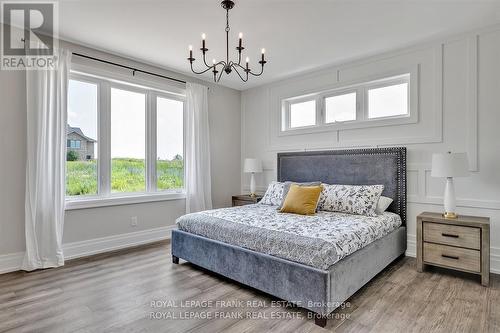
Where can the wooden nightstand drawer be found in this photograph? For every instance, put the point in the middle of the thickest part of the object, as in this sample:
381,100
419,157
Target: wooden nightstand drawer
242,203
455,257
468,237
242,200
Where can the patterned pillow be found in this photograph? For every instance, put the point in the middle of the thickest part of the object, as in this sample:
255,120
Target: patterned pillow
352,199
274,194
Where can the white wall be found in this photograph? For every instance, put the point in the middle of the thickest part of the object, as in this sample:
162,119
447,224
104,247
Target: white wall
458,110
86,225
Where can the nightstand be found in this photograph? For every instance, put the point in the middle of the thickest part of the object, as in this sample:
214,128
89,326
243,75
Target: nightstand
462,244
245,199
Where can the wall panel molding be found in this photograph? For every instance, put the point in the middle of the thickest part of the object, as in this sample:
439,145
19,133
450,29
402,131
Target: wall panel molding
472,101
431,131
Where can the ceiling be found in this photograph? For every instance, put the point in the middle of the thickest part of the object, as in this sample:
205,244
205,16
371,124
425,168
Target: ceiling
299,35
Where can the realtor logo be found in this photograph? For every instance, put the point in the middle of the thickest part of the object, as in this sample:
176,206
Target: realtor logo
28,35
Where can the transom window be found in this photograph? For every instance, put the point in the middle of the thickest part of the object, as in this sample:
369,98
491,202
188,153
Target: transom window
303,114
352,106
131,139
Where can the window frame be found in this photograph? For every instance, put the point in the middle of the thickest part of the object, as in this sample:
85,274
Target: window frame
361,88
303,99
105,82
340,92
388,83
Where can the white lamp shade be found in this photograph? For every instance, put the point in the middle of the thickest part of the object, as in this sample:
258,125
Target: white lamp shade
252,165
450,165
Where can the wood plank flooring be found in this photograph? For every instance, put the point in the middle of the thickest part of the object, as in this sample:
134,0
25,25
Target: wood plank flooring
114,292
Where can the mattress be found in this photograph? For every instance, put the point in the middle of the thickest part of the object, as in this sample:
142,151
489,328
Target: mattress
318,241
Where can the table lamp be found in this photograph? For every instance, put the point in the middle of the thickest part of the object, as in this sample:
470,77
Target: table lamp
449,165
252,165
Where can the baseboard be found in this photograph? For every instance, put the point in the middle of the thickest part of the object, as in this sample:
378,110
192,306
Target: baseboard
105,244
12,262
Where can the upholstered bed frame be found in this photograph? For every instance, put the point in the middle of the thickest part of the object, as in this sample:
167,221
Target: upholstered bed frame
320,291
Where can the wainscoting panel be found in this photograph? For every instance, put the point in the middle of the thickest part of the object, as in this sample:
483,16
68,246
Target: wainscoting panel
458,111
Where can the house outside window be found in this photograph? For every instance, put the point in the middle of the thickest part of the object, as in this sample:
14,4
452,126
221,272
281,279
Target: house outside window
78,142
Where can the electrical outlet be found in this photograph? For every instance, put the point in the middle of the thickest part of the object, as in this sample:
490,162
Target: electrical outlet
133,221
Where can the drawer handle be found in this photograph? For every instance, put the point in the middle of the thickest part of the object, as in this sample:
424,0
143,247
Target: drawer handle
449,235
449,257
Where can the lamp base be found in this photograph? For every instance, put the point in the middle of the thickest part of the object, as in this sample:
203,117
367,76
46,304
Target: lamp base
253,195
450,205
450,215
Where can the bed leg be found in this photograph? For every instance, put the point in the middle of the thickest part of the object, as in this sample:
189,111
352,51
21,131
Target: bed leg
320,320
175,259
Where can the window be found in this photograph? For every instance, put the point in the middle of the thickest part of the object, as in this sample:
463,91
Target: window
81,175
128,141
388,101
74,144
340,108
170,147
383,101
303,114
142,134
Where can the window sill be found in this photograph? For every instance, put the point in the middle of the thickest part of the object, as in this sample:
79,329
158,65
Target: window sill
349,125
93,202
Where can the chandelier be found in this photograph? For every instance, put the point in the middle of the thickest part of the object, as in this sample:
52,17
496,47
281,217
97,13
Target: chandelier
218,68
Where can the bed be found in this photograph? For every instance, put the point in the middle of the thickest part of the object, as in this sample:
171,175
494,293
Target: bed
298,258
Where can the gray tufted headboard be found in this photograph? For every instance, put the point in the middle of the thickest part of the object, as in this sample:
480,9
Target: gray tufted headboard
385,166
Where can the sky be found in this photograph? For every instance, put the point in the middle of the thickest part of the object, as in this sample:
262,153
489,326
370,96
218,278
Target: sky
128,120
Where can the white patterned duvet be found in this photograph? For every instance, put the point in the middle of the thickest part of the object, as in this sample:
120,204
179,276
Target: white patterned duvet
318,241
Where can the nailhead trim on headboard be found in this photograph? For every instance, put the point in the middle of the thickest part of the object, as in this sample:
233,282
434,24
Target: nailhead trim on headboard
398,152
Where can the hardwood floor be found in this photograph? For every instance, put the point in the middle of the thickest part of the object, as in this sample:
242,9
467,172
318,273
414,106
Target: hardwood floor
114,292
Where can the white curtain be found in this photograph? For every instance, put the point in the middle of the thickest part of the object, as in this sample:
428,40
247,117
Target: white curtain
46,95
198,183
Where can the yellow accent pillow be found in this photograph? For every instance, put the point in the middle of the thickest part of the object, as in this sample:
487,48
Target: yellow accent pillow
301,200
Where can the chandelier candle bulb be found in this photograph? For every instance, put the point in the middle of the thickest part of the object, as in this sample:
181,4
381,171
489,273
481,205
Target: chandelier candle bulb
240,40
203,36
263,51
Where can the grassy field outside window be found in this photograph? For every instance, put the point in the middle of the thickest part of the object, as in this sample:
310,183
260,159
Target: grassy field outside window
128,175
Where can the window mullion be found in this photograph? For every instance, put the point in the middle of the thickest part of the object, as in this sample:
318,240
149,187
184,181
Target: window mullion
104,146
151,142
320,110
361,112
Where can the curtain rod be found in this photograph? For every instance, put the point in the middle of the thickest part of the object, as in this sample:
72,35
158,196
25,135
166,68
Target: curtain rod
134,70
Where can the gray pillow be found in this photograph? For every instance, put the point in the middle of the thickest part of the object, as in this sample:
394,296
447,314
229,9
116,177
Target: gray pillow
383,204
286,188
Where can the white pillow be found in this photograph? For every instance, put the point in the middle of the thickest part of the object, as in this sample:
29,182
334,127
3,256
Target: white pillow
383,204
352,199
274,194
